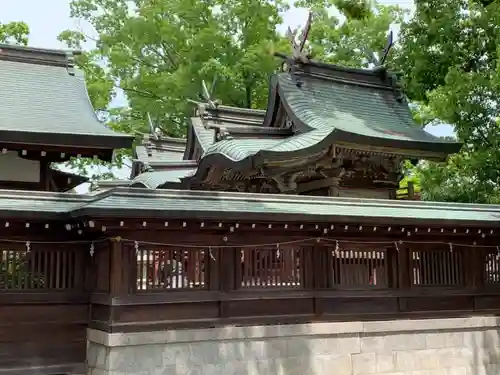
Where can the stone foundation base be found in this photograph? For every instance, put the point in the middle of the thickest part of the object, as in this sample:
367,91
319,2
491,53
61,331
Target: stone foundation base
468,346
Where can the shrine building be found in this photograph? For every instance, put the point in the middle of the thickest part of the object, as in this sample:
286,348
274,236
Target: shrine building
264,242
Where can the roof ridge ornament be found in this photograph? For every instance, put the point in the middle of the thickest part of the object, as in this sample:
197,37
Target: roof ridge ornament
70,63
298,48
154,131
207,98
208,95
385,52
292,64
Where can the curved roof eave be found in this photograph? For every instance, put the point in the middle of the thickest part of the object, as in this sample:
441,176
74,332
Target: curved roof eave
229,154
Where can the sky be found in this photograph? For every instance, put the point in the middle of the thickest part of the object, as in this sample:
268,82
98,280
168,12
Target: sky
48,18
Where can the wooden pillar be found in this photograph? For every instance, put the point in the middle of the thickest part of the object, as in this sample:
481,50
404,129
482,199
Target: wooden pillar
229,264
309,253
405,273
118,268
213,269
411,190
404,269
474,267
392,268
322,266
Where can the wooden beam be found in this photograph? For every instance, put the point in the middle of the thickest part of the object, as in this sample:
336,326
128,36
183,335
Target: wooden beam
314,185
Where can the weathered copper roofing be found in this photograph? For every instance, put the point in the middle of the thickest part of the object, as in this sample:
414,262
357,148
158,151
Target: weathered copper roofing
157,153
44,100
66,181
328,105
160,149
136,202
163,179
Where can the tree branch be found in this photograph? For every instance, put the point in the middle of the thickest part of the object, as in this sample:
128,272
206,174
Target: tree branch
141,93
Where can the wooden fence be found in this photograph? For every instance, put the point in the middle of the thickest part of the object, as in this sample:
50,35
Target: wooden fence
43,308
285,268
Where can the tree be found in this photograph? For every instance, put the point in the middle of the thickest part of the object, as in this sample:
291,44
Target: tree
449,57
159,51
346,31
14,33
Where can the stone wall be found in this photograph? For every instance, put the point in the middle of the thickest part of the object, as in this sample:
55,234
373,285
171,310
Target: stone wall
463,346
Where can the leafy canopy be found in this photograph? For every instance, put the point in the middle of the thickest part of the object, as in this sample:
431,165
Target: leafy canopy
158,51
14,33
450,59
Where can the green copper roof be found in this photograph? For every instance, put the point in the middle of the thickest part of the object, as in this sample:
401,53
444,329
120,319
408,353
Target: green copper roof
370,114
27,204
244,206
155,179
43,99
141,202
342,106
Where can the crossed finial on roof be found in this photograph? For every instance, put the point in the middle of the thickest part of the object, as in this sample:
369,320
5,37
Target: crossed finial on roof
207,95
298,48
152,129
371,56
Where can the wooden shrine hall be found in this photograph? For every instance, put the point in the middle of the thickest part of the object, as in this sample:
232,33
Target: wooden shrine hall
275,217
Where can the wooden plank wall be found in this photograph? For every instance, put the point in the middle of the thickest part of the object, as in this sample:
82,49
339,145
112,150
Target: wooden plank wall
175,286
44,308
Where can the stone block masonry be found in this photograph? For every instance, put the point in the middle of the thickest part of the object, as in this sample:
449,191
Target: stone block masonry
462,346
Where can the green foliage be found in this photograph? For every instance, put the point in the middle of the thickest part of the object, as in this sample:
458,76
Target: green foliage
344,37
15,272
159,51
450,59
14,33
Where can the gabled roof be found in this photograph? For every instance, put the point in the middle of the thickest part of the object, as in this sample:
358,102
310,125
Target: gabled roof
162,159
156,150
328,105
163,179
65,181
205,205
44,100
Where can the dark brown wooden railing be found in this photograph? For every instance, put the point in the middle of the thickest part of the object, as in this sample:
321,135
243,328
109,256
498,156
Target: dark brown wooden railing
280,268
44,307
491,267
162,287
359,268
37,267
171,268
271,268
438,267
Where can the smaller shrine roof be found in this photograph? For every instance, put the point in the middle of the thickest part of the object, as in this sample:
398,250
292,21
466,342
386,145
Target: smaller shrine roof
170,175
156,150
162,163
66,181
44,100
